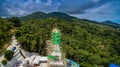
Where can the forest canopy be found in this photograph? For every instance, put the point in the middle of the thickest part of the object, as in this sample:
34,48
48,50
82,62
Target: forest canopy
87,42
5,27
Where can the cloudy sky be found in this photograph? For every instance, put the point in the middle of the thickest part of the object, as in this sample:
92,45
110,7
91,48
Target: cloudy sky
98,10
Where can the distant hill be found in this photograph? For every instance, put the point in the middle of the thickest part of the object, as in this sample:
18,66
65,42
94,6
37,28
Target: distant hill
61,15
42,15
35,15
110,23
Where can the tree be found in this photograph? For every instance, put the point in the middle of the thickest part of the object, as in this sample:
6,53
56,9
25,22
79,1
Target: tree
9,54
15,20
4,62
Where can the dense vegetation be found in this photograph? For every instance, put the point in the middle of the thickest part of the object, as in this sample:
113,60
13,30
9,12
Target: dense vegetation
4,62
9,54
88,43
5,33
15,20
4,28
7,26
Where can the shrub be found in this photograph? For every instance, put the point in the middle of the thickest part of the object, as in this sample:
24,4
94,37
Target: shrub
4,62
9,54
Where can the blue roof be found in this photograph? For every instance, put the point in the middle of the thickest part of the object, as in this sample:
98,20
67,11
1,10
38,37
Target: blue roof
113,65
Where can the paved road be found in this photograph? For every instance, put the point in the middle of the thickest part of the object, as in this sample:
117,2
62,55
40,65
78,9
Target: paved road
17,56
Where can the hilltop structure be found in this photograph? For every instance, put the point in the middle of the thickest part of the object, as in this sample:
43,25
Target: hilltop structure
55,55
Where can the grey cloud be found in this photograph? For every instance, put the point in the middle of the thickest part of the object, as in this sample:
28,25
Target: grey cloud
21,7
79,6
24,7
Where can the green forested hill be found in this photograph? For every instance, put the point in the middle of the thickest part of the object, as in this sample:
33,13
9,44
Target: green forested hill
36,15
90,44
5,33
41,15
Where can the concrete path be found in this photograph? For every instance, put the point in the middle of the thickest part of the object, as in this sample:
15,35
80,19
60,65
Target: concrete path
17,56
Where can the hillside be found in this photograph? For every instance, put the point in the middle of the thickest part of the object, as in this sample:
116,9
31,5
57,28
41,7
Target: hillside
112,24
36,15
4,33
89,43
41,15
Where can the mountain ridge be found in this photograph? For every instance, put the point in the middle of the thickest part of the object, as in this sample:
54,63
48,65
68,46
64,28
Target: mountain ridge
110,23
42,15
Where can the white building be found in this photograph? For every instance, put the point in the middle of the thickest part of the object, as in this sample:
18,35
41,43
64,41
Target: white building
35,61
